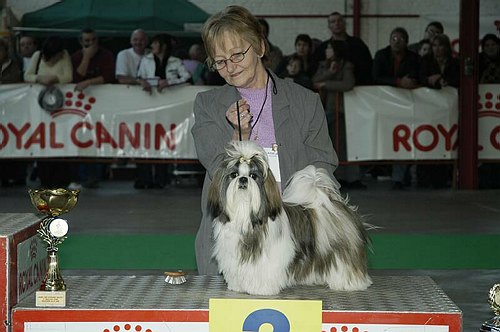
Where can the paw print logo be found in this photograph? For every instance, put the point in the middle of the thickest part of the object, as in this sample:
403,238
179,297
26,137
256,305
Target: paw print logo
75,103
344,328
489,104
127,327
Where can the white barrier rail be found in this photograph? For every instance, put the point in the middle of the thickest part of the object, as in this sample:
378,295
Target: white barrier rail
113,121
386,123
118,121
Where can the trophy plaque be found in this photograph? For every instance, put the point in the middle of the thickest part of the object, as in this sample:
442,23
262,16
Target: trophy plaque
53,230
494,301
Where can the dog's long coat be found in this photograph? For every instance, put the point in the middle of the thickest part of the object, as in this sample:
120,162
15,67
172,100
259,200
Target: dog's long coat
264,243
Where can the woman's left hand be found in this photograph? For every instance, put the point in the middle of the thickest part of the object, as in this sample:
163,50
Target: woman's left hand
244,112
245,122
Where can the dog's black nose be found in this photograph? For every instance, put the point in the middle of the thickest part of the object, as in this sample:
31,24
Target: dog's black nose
243,182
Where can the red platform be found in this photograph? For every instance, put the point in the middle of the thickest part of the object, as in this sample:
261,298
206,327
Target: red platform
148,304
23,261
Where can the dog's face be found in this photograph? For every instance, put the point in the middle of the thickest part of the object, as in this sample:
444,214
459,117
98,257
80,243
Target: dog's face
244,185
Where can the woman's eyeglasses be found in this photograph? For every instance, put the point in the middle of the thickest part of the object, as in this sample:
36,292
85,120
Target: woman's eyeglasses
235,58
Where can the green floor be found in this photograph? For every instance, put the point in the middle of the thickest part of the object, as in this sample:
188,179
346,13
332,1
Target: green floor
163,252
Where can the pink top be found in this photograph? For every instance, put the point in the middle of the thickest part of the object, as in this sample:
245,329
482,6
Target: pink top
263,126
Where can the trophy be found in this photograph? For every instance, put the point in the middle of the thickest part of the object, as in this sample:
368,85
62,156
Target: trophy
494,301
53,230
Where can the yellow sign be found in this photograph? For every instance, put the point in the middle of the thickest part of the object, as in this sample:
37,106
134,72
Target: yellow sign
239,315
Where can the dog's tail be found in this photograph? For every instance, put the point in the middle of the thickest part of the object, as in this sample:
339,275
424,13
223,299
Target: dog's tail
312,188
307,186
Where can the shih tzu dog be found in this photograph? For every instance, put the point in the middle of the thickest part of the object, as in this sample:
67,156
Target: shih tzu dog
265,241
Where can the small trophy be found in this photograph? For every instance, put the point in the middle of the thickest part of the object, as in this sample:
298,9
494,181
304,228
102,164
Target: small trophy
494,301
53,230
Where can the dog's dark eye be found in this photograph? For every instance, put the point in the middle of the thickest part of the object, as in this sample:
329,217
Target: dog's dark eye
253,176
233,175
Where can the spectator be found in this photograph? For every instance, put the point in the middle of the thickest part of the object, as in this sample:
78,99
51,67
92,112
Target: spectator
27,46
159,68
51,65
128,60
397,66
356,50
195,64
424,47
294,71
10,71
335,74
303,49
440,68
489,59
431,30
273,55
12,172
92,65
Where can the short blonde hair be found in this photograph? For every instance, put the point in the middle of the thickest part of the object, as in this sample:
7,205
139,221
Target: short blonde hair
237,21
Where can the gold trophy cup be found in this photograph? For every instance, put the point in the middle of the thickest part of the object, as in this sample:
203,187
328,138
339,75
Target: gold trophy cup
53,230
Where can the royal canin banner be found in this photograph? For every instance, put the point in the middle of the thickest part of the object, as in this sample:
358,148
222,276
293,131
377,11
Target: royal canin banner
387,123
113,121
118,121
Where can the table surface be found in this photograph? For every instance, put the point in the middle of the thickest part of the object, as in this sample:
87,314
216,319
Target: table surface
11,223
413,294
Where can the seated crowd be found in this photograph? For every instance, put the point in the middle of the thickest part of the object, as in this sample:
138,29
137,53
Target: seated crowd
330,67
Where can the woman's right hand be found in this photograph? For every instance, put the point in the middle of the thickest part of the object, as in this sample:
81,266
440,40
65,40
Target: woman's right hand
245,118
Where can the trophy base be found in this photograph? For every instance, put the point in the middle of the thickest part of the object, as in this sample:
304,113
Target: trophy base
51,298
490,326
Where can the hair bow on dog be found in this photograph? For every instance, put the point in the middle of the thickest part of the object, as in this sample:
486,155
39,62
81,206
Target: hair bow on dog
244,160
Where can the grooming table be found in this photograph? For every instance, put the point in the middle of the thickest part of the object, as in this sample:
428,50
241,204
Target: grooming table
23,261
148,304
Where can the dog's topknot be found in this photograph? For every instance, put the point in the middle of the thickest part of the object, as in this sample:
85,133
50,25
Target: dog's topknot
245,152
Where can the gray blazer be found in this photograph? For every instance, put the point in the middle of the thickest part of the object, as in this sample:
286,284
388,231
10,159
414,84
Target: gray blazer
301,134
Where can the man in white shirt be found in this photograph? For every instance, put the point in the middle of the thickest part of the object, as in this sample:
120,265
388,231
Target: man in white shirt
27,46
128,60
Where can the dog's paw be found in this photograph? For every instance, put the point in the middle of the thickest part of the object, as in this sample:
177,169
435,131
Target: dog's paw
350,284
235,288
264,291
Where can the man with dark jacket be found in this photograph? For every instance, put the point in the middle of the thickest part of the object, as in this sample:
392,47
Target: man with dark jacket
395,65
